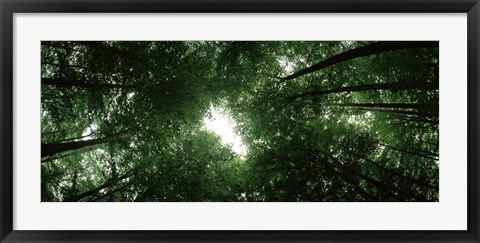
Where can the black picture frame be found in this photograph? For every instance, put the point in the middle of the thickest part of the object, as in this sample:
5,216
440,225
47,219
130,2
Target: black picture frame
9,7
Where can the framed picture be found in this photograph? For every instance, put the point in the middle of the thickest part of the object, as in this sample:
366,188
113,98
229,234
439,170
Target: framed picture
239,121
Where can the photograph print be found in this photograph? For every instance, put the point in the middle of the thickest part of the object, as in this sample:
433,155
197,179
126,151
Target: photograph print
239,121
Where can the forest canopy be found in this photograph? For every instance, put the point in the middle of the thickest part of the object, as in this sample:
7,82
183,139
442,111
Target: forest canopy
233,121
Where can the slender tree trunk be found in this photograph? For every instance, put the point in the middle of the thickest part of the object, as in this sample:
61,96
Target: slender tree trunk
378,47
409,152
110,193
392,172
356,187
74,138
349,172
96,189
392,191
401,113
427,152
365,87
82,84
382,105
380,185
54,148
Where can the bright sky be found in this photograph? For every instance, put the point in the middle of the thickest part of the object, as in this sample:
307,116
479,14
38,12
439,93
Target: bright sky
222,124
286,65
89,132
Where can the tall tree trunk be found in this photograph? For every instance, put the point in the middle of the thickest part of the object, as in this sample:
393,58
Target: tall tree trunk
393,172
82,84
357,188
349,172
378,47
383,105
401,113
392,191
96,190
111,192
74,138
365,87
54,148
408,152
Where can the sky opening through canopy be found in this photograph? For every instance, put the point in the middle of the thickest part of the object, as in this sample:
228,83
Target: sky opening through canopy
221,123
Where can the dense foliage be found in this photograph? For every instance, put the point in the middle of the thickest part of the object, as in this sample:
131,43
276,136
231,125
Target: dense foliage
321,121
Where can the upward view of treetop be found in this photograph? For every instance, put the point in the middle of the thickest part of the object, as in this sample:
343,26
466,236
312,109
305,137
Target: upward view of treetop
227,121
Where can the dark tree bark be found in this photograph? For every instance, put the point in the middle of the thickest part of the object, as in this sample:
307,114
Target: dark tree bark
365,87
111,192
392,191
54,148
74,138
408,152
349,172
378,47
83,84
96,190
383,105
400,175
401,113
358,189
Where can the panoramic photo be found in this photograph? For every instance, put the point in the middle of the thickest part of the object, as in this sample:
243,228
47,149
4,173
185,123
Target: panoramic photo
239,121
